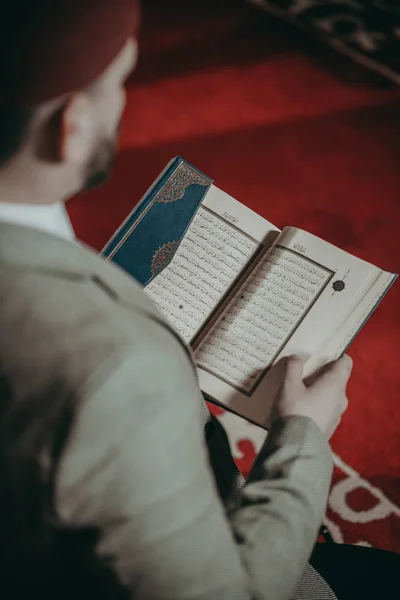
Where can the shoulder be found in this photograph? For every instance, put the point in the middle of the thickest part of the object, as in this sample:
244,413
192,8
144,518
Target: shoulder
68,326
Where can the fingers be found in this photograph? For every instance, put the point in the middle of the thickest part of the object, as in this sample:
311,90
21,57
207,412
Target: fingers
334,427
336,372
342,406
348,361
293,372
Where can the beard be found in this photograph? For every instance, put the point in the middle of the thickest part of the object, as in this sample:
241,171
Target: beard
101,163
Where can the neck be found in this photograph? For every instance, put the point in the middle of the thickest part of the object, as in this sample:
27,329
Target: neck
21,184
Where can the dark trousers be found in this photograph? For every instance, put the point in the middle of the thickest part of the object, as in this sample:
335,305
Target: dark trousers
357,572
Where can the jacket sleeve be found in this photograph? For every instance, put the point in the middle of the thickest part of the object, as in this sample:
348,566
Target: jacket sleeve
136,469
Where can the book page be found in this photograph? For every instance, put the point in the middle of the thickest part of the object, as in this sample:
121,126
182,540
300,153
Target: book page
257,324
220,243
352,281
351,325
297,298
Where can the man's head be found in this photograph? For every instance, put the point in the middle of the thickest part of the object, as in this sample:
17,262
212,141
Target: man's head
62,74
90,121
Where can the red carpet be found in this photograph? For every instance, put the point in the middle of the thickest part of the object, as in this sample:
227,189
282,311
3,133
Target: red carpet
304,141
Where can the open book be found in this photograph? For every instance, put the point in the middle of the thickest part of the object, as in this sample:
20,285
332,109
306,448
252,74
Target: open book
242,293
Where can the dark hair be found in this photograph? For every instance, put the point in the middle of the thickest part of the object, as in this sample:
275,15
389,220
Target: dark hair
14,127
14,121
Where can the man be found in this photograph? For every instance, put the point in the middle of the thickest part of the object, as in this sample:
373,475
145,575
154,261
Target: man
107,486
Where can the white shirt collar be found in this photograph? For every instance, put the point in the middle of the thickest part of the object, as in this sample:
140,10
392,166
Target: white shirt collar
52,218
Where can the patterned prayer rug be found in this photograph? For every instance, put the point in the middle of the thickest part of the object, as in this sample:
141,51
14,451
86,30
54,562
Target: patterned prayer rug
358,511
368,31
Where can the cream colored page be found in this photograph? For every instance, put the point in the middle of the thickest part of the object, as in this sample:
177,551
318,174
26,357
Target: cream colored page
258,322
299,287
214,251
351,281
334,347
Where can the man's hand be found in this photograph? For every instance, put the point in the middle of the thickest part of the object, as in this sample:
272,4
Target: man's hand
322,399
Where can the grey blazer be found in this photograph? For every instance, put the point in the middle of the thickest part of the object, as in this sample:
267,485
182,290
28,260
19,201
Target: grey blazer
109,486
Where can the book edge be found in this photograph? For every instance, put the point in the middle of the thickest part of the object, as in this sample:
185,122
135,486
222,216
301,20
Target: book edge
367,318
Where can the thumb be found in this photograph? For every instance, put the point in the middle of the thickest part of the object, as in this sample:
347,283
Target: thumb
293,376
337,372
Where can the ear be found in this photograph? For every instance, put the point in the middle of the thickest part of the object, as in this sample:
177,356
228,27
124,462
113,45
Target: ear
76,130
